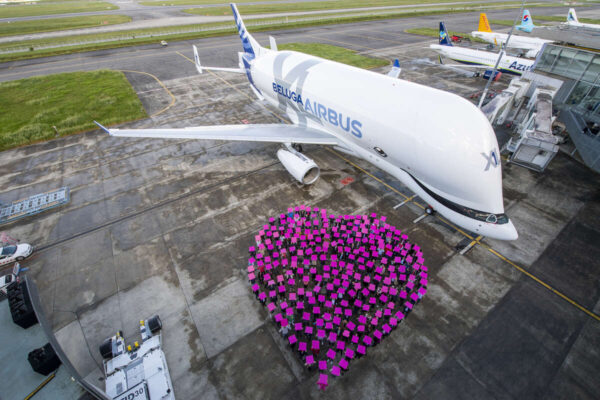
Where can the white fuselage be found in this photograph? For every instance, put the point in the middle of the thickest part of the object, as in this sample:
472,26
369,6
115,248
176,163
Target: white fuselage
510,64
533,44
437,143
578,24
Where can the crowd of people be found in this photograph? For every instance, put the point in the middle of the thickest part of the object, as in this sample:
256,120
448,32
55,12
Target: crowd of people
334,285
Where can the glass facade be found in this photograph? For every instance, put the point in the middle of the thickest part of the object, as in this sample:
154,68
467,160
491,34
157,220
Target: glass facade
583,67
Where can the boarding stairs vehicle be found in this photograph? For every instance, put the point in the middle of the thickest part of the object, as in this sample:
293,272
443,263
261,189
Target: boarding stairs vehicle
137,372
33,205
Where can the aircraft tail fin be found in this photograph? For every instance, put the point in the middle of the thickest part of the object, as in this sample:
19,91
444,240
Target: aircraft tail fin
250,45
444,38
484,24
571,16
526,22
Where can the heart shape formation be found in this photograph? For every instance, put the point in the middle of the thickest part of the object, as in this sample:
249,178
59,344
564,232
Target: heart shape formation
335,285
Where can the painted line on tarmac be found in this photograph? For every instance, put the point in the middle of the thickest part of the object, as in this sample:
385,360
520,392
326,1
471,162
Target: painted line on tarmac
161,84
485,246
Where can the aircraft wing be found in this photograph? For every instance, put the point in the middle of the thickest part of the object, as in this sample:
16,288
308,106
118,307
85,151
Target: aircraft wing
275,133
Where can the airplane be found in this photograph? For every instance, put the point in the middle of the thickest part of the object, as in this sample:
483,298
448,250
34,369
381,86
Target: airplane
526,22
438,144
479,58
573,21
532,44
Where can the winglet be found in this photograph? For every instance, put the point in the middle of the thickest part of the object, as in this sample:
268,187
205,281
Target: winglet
571,16
395,71
197,59
105,129
273,43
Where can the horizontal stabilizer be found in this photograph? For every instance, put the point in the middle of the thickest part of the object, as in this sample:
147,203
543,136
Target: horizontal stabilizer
200,68
395,71
274,133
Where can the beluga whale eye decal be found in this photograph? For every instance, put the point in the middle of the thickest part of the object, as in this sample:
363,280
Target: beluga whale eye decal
380,151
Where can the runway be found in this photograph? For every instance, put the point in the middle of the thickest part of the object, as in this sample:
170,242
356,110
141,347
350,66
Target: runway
158,226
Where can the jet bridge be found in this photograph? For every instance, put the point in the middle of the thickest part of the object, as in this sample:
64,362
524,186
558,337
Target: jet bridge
526,105
536,146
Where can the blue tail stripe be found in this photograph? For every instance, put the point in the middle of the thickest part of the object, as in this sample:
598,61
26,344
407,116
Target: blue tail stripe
242,32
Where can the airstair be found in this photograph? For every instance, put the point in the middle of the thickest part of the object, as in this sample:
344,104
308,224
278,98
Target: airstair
33,205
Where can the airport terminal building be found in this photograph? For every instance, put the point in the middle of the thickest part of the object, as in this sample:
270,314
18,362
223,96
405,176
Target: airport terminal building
579,96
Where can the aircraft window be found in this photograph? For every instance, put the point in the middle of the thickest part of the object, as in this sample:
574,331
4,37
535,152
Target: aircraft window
380,151
469,212
8,279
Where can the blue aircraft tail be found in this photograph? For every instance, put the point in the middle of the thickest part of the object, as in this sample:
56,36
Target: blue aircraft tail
444,38
526,22
250,45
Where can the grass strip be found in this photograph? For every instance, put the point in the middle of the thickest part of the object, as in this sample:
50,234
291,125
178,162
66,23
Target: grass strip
305,6
436,33
505,22
67,7
563,18
31,107
155,3
171,33
60,24
335,53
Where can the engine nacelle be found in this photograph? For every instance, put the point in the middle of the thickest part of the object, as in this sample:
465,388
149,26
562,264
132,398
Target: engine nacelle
302,168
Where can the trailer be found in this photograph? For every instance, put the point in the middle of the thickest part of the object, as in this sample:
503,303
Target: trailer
137,372
33,205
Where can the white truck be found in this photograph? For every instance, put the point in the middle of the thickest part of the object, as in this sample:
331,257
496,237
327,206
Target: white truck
137,372
8,279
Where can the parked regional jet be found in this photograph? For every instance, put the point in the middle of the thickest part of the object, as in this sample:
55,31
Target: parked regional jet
532,44
438,144
479,58
573,21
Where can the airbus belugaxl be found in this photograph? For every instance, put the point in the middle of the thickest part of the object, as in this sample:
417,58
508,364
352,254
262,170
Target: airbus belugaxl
479,58
437,143
532,44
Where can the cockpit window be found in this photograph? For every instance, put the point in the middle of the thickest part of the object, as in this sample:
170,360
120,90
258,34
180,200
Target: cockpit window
469,212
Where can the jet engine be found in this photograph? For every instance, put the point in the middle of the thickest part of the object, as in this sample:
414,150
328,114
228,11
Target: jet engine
302,168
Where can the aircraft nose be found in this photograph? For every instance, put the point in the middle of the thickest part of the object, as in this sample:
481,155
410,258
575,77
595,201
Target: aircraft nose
504,232
511,231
